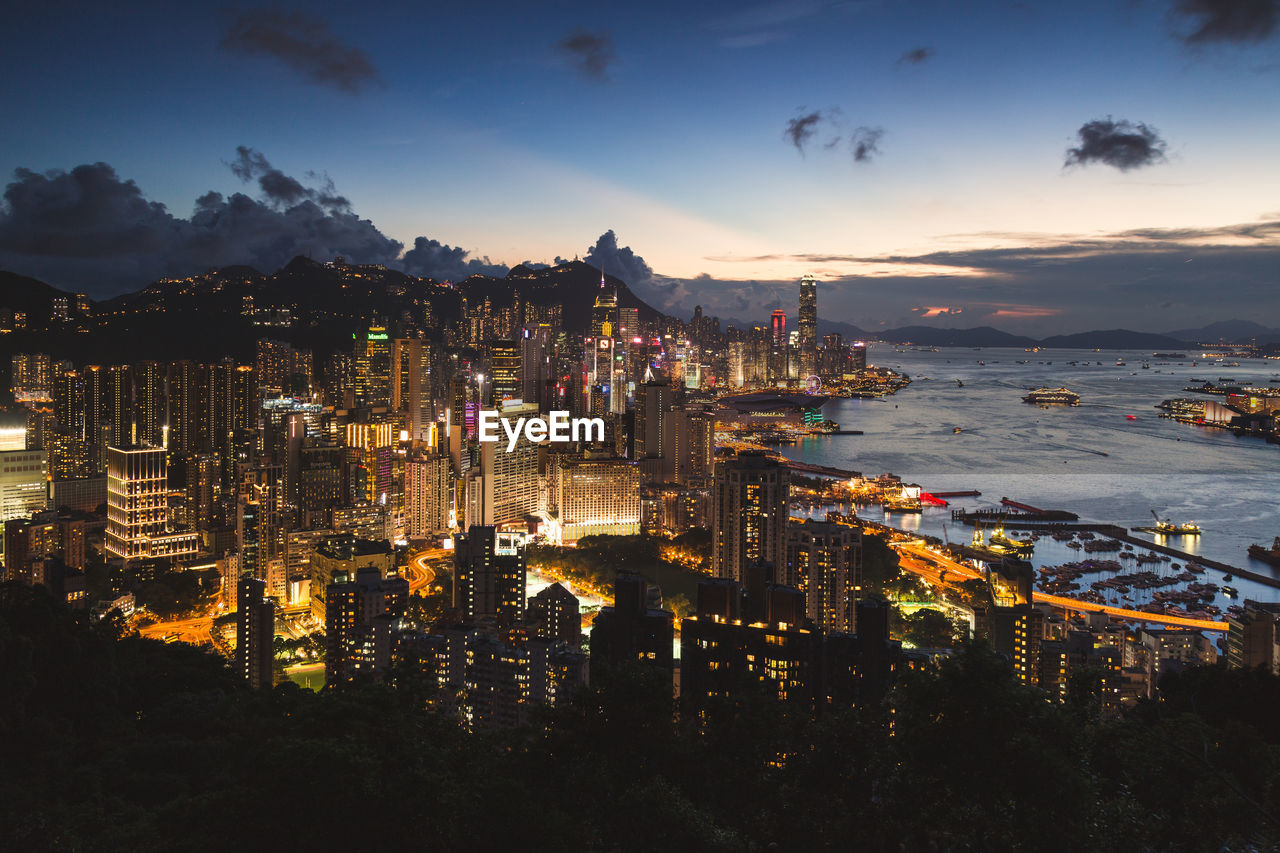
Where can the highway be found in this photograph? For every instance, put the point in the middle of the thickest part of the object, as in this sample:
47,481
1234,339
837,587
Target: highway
419,571
930,565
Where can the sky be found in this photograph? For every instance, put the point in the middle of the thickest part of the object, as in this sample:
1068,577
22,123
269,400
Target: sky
1041,167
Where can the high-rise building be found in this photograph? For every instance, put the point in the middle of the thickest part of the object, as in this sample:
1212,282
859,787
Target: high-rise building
506,380
653,402
24,483
778,328
341,557
137,506
255,633
1253,637
426,492
149,409
824,561
751,496
554,614
807,324
361,612
372,359
488,575
596,497
31,378
632,630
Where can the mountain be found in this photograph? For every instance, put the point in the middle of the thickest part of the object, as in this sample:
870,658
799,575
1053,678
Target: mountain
1231,331
222,313
1113,339
982,336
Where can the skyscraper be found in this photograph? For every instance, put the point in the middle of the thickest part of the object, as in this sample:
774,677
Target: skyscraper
808,325
749,543
255,632
361,611
824,561
778,327
488,575
138,506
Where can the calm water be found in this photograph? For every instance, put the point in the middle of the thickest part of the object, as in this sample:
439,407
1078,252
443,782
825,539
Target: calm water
1089,459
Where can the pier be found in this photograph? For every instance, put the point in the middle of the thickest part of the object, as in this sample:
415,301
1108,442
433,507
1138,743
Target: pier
820,470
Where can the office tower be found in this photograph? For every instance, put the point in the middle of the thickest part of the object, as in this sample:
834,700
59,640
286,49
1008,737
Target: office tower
654,399
411,384
778,328
340,557
511,490
604,313
807,323
631,630
149,407
23,483
371,448
426,491
597,497
255,633
372,362
751,494
537,376
137,506
857,357
321,481
505,377
489,575
361,612
554,614
824,561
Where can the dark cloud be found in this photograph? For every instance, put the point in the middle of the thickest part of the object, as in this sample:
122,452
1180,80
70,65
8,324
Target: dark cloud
1123,144
865,143
1242,21
91,230
915,56
801,129
591,54
432,259
303,43
621,263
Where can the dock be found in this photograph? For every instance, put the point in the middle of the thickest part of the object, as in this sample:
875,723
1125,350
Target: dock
820,470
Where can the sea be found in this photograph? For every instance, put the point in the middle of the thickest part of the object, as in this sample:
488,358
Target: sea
1092,459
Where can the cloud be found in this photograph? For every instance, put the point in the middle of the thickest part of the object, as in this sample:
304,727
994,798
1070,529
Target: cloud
591,54
91,230
303,43
1239,21
865,143
432,259
621,263
915,56
801,129
1123,144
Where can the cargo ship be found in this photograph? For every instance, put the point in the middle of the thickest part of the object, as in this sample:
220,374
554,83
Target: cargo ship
1267,555
1055,396
1016,546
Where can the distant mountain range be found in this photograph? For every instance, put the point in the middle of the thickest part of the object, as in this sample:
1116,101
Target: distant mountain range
1229,331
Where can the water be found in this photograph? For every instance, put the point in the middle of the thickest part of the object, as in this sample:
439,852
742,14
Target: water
1089,459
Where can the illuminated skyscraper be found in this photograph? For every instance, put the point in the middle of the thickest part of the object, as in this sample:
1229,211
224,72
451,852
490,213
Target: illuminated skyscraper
807,324
778,327
824,561
749,542
488,575
373,368
149,410
255,633
138,506
506,378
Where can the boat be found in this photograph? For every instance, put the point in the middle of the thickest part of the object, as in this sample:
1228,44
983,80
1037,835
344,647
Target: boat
1055,396
1119,362
1130,417
959,384
998,538
1230,591
957,429
1270,555
1168,528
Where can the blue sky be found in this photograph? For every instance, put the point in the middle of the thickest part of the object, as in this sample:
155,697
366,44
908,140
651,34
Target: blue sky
477,127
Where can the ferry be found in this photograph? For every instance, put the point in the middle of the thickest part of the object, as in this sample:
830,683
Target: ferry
1057,396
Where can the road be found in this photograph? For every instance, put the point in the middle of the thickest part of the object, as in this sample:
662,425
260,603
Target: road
197,631
419,571
930,565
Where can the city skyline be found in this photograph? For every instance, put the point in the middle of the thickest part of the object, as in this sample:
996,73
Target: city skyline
1040,170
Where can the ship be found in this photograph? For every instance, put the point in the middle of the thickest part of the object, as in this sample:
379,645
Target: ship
1057,396
1168,528
1000,540
1267,555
